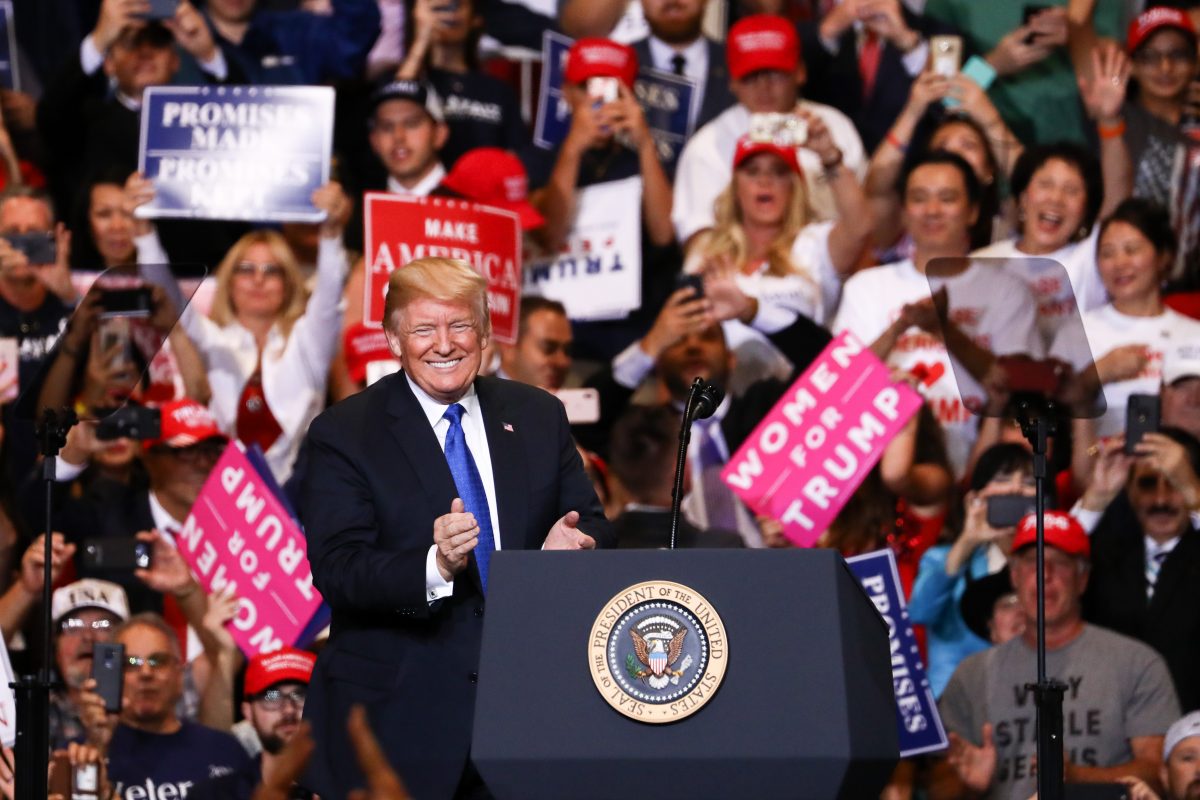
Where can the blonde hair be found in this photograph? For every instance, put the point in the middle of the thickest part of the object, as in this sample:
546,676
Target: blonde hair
728,237
295,297
447,280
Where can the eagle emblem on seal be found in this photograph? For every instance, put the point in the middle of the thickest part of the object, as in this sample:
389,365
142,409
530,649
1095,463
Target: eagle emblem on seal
657,650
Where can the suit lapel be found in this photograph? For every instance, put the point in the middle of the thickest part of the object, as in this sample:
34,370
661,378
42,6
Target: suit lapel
419,444
1174,570
510,472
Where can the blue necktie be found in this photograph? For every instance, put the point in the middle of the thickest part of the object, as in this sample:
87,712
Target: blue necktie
470,488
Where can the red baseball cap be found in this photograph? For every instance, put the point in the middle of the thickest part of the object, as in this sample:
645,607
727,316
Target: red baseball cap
747,147
600,58
361,345
1155,19
762,41
497,178
286,664
1063,532
185,423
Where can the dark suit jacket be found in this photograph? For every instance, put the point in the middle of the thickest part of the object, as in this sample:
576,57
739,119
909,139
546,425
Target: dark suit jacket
1116,595
644,529
717,95
374,481
835,79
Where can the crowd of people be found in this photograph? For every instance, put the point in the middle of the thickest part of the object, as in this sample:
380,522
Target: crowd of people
995,199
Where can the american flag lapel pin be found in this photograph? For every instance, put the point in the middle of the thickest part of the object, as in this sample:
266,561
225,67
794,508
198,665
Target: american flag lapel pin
508,427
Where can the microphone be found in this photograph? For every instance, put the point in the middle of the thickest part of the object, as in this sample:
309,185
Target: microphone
707,401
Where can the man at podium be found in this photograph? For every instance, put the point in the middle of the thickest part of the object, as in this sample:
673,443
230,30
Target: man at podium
408,489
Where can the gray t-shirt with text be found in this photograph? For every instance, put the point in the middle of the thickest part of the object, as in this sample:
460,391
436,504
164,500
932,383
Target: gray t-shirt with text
1117,689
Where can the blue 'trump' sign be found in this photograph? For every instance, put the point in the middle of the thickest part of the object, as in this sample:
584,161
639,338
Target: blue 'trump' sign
236,152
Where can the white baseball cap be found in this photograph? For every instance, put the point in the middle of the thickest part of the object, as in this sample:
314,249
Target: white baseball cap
89,593
1184,728
1181,360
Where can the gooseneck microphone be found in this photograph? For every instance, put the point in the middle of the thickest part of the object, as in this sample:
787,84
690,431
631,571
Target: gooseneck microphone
702,402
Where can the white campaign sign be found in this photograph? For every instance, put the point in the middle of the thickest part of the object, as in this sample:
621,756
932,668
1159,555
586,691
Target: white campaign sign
8,702
598,275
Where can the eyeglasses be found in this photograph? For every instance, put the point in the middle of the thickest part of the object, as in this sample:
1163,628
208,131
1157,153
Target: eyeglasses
205,451
155,661
76,626
250,269
1152,58
273,699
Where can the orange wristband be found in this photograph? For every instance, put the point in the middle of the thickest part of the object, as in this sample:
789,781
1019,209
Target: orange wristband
1111,131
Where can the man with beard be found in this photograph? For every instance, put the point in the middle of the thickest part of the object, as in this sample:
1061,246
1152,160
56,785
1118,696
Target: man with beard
85,613
1146,549
275,688
152,753
1181,759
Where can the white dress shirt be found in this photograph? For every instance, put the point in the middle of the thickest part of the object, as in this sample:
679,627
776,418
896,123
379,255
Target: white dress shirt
294,369
476,435
423,187
695,66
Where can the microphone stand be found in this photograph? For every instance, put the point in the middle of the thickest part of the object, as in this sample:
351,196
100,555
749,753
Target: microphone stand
685,436
1038,416
32,692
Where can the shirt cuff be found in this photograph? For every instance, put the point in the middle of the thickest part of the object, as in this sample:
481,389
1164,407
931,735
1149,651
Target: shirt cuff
772,317
65,471
831,45
90,57
436,587
631,366
914,60
150,249
216,65
1087,518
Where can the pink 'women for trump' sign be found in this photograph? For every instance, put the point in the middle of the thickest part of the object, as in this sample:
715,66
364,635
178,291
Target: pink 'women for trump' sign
240,536
809,454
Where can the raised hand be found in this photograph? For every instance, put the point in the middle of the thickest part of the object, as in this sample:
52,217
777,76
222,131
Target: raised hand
565,535
1104,93
975,765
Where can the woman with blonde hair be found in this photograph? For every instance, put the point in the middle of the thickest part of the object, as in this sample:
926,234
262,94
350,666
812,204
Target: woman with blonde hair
266,343
767,240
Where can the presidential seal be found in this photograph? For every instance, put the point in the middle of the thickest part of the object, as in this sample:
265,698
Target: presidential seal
658,652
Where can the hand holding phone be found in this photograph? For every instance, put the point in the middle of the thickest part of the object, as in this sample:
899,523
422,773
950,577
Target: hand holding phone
1141,417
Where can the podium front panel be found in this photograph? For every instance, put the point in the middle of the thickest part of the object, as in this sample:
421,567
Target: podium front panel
805,708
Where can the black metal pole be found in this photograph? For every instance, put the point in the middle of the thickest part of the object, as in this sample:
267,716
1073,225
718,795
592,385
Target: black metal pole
1038,426
32,692
685,436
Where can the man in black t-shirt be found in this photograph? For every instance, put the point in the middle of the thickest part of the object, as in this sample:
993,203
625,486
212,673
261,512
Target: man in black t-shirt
275,689
151,752
36,296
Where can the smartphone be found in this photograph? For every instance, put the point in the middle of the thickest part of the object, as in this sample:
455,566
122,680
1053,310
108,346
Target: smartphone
39,247
160,9
603,90
135,302
78,783
1006,510
1095,791
945,55
582,405
786,130
695,282
1141,417
116,554
108,668
115,339
130,422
